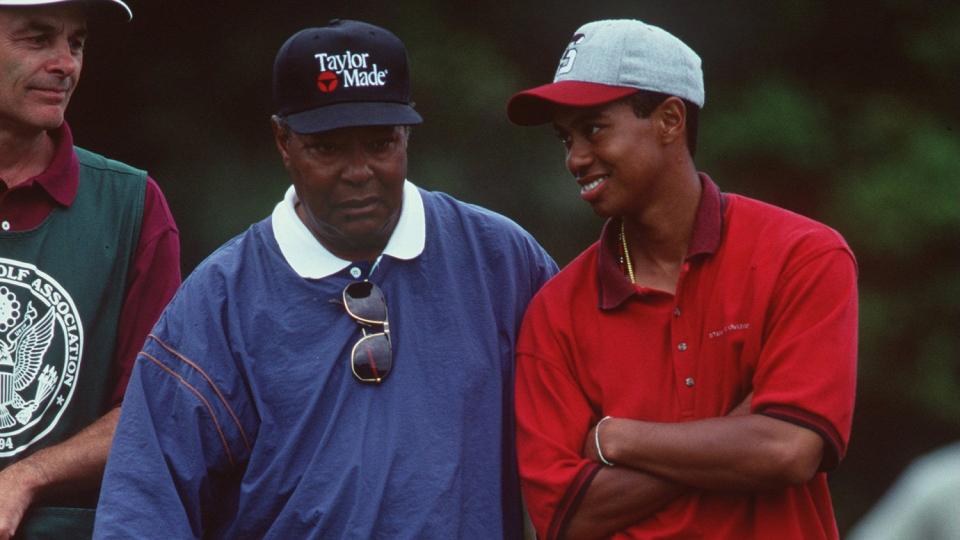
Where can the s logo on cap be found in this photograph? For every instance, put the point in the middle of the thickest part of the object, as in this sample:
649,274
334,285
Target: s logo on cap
566,61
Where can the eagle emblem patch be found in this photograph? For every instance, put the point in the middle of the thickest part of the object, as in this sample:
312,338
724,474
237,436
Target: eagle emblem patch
41,341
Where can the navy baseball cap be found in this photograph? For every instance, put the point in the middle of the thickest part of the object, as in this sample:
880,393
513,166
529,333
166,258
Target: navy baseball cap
115,9
345,74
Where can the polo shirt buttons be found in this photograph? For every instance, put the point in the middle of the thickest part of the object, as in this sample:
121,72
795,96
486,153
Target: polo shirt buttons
5,225
676,312
355,272
682,346
689,382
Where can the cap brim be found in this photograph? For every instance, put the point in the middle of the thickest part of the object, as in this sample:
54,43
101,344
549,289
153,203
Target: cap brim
538,105
352,114
115,10
112,10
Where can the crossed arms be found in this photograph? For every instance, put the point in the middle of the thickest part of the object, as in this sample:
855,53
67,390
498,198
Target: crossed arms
656,462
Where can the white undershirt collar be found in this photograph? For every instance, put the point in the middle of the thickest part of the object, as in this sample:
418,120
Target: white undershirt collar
310,259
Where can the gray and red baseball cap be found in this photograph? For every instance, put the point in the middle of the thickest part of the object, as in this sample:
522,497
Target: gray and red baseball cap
608,60
114,9
345,74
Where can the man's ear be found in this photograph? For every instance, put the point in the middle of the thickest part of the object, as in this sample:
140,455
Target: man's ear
281,136
672,120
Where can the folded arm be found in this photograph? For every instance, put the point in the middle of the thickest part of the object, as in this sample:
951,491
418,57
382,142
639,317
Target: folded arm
740,453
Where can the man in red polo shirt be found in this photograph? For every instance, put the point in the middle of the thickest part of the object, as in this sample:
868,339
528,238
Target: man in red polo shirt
89,256
692,373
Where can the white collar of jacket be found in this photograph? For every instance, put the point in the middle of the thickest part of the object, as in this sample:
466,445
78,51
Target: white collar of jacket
311,260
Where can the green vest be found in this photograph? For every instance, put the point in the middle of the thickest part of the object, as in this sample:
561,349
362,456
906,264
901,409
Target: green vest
62,286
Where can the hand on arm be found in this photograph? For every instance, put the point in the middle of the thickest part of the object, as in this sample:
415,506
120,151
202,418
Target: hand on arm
74,464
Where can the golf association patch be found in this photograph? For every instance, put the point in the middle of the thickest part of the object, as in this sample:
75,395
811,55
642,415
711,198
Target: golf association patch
41,343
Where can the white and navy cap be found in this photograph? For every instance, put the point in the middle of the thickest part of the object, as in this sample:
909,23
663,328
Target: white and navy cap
115,9
608,60
345,74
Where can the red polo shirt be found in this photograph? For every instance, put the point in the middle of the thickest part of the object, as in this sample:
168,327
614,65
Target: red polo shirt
155,272
766,302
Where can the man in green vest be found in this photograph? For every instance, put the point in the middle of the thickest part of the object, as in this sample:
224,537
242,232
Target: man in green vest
89,256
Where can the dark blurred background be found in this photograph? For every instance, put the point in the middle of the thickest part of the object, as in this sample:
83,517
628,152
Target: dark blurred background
843,111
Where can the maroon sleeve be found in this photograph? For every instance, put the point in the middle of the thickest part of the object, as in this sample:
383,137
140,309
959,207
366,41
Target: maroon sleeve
153,279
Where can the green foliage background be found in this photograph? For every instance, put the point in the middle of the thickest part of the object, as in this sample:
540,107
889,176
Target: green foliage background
842,111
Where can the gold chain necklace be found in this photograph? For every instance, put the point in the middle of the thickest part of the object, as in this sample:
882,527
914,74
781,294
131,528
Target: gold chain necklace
626,254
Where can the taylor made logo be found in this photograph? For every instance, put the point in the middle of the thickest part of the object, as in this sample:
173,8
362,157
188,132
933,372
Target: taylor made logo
41,341
348,70
569,55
